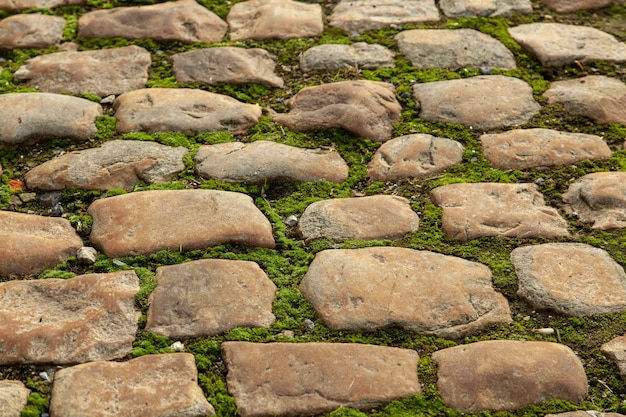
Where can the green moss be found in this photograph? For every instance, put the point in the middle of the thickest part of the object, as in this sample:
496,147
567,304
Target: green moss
37,404
53,273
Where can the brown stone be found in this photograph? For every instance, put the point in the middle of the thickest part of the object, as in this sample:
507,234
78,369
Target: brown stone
508,374
358,55
183,110
262,161
30,31
491,209
424,292
588,413
19,5
615,350
269,379
471,8
13,398
414,156
67,321
148,386
365,108
149,221
569,6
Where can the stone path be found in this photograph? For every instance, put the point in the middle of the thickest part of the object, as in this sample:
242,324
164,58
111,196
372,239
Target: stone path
281,208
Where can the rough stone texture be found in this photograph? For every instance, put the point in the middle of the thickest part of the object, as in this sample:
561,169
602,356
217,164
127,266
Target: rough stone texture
226,64
569,6
491,209
365,108
358,16
362,218
208,297
262,161
600,98
588,413
183,110
149,221
615,350
182,21
32,243
274,19
572,279
116,164
13,398
101,72
372,288
413,156
359,55
471,8
19,5
32,117
508,374
30,31
301,379
599,198
557,44
540,148
148,386
67,321
471,101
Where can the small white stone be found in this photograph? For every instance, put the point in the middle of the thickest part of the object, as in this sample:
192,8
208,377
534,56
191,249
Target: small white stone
177,347
87,255
545,330
291,221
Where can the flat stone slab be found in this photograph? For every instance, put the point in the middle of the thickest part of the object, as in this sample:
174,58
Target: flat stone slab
32,243
116,164
68,321
182,21
359,55
595,96
30,31
274,19
33,117
541,148
569,6
471,8
508,374
557,44
150,386
261,161
478,210
146,222
358,16
269,379
362,218
101,72
482,103
365,108
460,48
615,349
226,64
209,297
13,398
424,292
183,110
414,156
19,5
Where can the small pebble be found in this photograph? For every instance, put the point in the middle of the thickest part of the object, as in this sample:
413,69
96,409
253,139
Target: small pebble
87,255
485,70
287,333
406,94
291,221
539,181
27,197
545,330
57,210
177,347
118,263
50,199
43,376
308,324
108,99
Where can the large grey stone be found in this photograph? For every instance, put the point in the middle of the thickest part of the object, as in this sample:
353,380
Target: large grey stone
359,55
13,398
19,5
30,31
471,8
569,6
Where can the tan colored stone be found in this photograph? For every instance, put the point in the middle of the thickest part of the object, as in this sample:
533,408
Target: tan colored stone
269,379
30,31
359,55
507,374
471,8
13,398
569,6
615,350
19,5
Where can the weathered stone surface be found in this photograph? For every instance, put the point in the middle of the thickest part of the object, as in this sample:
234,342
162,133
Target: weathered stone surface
587,413
226,64
413,156
508,374
569,6
183,110
425,292
460,48
482,103
30,31
358,16
32,117
615,350
19,5
182,21
13,398
148,386
67,321
274,19
491,209
336,56
539,148
470,8
556,44
364,108
599,198
362,218
269,379
572,279
600,98
262,161
116,164
101,72
208,297
32,243
149,221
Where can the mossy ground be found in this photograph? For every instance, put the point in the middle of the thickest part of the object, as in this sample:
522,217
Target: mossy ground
289,262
